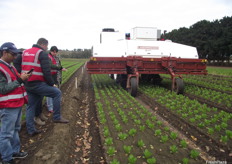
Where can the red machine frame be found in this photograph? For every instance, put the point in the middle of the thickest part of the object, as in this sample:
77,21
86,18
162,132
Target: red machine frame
133,66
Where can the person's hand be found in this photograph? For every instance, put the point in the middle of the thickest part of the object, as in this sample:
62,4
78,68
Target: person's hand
64,69
25,76
55,86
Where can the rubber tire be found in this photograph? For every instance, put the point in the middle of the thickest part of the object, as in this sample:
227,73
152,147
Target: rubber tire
179,86
134,87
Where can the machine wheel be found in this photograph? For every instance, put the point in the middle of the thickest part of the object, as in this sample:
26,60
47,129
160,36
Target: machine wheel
134,86
179,86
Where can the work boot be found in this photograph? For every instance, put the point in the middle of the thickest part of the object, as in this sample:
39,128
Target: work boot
19,155
36,132
43,117
61,120
38,121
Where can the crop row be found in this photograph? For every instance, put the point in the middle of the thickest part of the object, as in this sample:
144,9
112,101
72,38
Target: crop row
220,71
210,96
132,133
210,121
67,74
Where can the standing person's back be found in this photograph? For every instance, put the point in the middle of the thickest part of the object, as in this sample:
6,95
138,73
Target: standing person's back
40,84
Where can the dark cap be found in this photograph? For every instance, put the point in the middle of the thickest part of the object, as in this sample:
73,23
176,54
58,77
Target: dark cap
8,46
54,48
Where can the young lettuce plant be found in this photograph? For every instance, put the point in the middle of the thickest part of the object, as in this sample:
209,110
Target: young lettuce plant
142,128
224,139
159,123
118,127
132,132
132,159
173,149
210,131
127,149
124,119
122,136
151,160
114,161
229,133
194,154
158,132
147,154
183,144
164,139
173,135
137,122
111,151
109,141
106,132
185,160
141,143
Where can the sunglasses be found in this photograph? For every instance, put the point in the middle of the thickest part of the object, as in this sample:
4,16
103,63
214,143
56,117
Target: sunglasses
13,54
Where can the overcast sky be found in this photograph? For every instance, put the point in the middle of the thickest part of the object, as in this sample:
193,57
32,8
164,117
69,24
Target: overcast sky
70,24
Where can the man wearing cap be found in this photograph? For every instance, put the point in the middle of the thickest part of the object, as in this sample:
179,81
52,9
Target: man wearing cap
12,97
40,83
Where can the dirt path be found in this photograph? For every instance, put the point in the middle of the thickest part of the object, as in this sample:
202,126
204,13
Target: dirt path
76,142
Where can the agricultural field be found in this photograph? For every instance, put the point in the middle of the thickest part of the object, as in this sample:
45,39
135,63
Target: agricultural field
107,125
134,134
71,65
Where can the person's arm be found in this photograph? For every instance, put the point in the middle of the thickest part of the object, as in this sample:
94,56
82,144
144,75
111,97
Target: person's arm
8,87
18,63
46,68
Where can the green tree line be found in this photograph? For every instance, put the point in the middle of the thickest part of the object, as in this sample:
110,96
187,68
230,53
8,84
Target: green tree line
213,40
76,53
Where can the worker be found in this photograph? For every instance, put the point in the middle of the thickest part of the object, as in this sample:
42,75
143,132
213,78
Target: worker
56,69
40,84
12,98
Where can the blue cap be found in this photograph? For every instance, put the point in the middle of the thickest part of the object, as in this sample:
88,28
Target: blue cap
8,46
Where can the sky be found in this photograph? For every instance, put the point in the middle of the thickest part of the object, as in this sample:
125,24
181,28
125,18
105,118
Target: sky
76,24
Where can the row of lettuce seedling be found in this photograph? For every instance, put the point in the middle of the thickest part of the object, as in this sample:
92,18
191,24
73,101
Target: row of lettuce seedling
132,133
206,81
67,74
209,120
211,96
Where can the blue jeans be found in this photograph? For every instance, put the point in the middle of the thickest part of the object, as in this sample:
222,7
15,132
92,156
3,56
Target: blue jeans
9,136
35,96
49,103
38,109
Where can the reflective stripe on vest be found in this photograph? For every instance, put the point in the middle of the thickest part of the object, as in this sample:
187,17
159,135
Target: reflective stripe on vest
7,75
11,97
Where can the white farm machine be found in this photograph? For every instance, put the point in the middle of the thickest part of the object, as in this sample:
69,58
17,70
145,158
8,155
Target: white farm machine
141,55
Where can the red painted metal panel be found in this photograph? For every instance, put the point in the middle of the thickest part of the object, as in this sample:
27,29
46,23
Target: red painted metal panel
119,65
